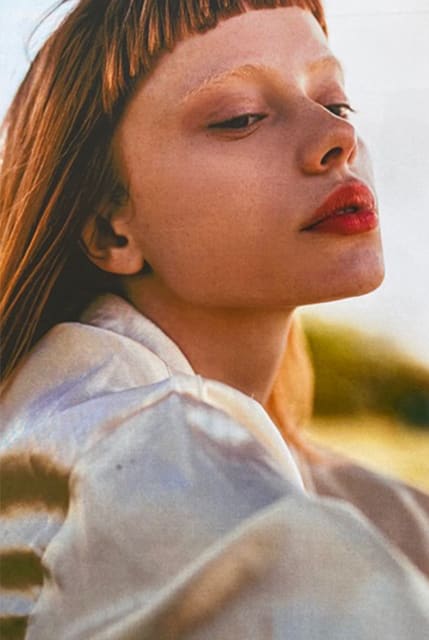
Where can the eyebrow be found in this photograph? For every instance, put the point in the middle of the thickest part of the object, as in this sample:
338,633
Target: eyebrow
258,71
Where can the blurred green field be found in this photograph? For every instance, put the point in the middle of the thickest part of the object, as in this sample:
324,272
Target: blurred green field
371,401
384,444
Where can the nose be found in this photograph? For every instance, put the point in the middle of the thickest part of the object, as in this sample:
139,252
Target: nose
328,141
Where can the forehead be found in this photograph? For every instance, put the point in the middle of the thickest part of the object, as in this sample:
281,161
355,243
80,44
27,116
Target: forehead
287,38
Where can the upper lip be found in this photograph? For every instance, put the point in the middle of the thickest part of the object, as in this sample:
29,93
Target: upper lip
352,194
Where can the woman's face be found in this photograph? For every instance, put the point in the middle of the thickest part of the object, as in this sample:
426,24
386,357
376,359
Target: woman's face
229,148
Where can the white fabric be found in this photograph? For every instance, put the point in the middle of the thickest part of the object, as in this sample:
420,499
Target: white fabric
188,517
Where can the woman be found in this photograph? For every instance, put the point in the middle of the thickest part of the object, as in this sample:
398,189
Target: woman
193,162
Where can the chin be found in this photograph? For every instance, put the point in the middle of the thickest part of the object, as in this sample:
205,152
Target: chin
364,276
350,276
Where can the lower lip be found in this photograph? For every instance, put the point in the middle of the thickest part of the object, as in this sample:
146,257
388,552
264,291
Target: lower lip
347,224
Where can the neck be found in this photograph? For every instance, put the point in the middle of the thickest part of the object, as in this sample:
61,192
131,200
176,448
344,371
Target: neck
241,348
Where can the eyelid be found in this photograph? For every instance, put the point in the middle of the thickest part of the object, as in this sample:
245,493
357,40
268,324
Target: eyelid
224,103
340,105
223,124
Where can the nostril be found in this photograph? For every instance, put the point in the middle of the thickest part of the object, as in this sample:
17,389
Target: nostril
332,154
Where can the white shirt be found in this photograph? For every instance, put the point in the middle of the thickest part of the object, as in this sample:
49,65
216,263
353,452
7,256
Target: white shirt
151,503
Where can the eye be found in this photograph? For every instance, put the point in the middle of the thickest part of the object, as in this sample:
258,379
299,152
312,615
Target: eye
342,109
242,122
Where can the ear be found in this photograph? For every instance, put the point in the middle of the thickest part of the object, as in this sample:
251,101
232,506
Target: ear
110,245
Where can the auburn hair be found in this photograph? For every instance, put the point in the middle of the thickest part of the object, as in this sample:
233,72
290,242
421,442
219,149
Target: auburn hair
57,168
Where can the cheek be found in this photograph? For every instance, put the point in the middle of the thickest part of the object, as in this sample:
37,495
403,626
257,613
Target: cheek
206,195
203,227
205,183
216,220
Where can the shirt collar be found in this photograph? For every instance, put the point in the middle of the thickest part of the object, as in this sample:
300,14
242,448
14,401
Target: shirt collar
115,314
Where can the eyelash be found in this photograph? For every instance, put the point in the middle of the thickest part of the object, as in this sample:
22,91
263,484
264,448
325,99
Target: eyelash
241,122
344,109
238,120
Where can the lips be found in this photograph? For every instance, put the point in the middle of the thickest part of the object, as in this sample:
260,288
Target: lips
350,209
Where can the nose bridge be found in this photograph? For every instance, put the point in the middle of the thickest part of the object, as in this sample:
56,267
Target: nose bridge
327,140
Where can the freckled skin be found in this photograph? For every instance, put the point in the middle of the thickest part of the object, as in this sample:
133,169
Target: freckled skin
219,218
221,186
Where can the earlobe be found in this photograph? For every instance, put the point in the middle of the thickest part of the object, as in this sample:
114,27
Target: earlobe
110,250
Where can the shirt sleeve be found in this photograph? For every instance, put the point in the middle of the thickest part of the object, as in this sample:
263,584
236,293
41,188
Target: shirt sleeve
399,511
174,532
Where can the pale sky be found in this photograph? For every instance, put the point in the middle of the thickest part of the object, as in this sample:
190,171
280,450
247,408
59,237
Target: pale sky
384,47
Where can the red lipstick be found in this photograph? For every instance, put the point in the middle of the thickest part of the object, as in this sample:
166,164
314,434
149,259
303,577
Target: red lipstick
349,210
